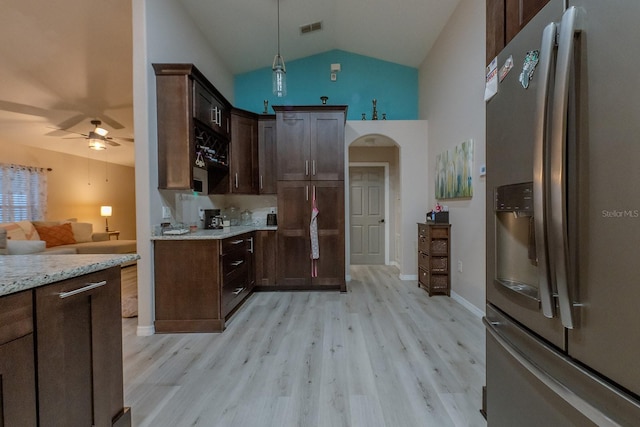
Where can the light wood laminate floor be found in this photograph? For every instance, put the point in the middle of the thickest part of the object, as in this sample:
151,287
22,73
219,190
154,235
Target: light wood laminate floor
383,354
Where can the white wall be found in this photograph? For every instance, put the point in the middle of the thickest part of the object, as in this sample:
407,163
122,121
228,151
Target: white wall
411,138
162,32
451,82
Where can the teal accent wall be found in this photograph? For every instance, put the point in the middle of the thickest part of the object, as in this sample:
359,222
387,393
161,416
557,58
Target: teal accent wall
361,79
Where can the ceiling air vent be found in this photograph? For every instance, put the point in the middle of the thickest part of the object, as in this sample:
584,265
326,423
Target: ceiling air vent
309,28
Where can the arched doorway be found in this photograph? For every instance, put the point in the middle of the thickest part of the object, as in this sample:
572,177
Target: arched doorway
372,194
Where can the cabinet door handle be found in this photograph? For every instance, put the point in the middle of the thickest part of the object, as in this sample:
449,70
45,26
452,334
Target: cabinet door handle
236,179
237,263
313,168
306,187
306,168
238,290
261,186
237,242
251,247
90,286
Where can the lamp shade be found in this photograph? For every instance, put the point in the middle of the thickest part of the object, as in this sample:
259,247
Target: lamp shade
279,76
105,210
97,144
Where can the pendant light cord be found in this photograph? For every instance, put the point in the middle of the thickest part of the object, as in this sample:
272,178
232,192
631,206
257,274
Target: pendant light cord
278,27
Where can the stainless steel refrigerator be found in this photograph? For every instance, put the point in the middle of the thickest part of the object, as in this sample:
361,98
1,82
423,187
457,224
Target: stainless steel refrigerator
563,220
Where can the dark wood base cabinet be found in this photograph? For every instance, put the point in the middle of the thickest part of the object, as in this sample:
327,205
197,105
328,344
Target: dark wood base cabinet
61,354
17,363
79,352
294,242
266,256
200,283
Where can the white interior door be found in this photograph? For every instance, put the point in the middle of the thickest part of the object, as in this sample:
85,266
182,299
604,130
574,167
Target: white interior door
367,208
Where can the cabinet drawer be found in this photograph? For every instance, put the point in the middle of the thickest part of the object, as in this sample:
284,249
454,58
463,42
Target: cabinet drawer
16,316
423,260
439,246
439,264
423,244
439,232
234,244
423,230
234,292
423,277
439,283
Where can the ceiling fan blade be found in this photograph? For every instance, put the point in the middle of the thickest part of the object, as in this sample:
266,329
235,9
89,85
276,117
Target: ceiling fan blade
112,143
112,122
15,107
71,122
61,132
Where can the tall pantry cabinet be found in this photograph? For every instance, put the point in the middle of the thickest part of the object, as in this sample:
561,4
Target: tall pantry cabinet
310,164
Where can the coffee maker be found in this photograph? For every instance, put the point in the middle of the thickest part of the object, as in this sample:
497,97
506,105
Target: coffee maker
212,219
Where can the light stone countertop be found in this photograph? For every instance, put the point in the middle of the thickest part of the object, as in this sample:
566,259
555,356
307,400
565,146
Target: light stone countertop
22,272
224,233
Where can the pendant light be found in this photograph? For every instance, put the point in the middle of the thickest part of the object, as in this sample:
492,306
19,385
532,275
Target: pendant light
279,77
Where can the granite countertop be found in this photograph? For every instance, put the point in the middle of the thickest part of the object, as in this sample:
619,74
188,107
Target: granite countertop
22,272
224,233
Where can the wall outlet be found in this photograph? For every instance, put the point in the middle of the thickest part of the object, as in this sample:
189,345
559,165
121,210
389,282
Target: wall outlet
201,214
166,212
459,266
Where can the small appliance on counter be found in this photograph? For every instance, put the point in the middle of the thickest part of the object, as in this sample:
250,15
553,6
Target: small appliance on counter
212,219
272,219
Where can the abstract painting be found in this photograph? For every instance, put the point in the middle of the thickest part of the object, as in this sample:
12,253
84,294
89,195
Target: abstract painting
453,172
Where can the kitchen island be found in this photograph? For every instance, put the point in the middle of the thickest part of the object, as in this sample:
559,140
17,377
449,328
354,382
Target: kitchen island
203,277
61,340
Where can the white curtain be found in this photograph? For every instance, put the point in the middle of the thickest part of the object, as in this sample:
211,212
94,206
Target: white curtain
23,193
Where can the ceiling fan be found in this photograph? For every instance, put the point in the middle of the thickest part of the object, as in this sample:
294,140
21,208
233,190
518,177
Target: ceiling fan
98,139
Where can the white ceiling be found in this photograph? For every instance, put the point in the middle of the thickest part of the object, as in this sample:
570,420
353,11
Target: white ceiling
67,62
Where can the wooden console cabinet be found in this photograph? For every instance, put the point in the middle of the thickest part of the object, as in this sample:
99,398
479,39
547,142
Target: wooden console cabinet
434,258
200,283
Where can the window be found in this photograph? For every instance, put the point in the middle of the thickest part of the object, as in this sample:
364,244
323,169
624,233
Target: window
23,193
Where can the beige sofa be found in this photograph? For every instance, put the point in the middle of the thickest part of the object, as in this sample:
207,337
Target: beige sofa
58,237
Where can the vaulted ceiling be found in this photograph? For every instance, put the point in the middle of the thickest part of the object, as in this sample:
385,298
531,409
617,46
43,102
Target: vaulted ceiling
68,62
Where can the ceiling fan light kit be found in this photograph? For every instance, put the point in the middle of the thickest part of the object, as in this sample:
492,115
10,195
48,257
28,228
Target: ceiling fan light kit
97,144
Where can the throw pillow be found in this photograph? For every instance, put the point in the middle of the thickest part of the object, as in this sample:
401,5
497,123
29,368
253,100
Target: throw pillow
82,231
14,231
3,242
56,235
25,247
30,231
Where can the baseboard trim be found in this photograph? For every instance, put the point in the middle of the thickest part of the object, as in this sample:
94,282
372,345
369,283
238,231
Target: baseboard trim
145,331
408,277
466,304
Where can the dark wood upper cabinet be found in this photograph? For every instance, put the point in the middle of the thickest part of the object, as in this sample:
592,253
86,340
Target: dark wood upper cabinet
243,156
267,154
310,143
193,127
505,19
519,13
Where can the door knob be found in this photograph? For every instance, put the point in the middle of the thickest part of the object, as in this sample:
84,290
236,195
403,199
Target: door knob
381,221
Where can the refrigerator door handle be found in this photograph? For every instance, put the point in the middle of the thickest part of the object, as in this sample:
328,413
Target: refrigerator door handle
559,240
540,177
559,389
